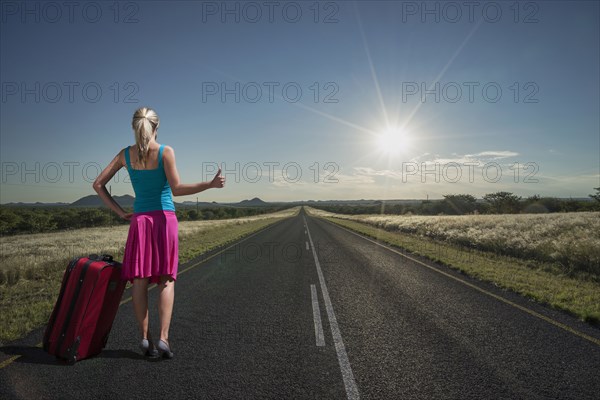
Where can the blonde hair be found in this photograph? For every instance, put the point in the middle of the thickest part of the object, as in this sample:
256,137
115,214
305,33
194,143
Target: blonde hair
145,123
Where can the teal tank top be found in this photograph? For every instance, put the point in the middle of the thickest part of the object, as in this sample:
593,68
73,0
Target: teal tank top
152,190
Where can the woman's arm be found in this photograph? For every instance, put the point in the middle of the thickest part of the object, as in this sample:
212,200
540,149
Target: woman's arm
181,189
101,181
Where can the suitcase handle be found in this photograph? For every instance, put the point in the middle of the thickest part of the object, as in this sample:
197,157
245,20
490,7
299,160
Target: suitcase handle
103,257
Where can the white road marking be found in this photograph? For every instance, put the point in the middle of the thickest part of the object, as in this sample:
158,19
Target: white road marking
347,375
306,245
319,335
484,291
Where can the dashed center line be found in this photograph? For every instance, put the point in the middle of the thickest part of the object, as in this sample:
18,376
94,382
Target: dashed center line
340,349
319,335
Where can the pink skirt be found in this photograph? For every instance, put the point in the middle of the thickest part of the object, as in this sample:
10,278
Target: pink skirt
152,247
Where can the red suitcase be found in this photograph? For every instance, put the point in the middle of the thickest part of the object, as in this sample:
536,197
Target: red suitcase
87,304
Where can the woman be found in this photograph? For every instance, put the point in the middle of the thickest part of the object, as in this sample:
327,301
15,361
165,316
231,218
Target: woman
151,250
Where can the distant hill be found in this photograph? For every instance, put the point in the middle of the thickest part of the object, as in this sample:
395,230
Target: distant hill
255,202
37,204
201,204
362,202
127,201
94,200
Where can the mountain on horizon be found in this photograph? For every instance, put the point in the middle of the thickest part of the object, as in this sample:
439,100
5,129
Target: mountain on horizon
36,204
252,203
93,200
127,201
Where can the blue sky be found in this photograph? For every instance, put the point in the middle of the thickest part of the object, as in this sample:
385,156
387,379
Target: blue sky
352,71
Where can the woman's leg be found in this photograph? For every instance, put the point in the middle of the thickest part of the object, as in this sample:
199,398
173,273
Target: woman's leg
166,296
140,304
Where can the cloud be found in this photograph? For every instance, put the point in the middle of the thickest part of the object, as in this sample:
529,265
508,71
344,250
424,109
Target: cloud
494,154
418,158
477,159
370,172
354,179
282,180
426,161
334,178
459,160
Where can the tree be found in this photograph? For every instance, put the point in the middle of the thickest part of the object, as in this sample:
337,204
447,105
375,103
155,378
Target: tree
570,205
208,214
220,213
597,195
552,204
181,215
66,219
457,204
8,220
36,221
193,215
503,202
533,205
429,207
91,217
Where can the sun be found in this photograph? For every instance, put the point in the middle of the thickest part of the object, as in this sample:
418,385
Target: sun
393,141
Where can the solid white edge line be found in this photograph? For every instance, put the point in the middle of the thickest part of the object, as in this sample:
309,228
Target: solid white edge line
319,335
347,375
529,311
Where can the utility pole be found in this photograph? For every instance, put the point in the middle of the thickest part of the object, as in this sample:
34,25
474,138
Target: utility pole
109,213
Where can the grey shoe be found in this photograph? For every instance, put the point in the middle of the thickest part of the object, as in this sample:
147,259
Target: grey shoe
164,349
148,349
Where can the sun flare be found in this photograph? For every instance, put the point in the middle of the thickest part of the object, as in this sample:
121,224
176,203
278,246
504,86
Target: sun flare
393,141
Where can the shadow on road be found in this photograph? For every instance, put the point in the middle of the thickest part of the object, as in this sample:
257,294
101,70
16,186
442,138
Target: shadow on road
32,355
121,354
36,355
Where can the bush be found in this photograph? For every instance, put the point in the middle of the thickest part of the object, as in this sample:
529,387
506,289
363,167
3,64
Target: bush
93,217
13,276
8,221
19,220
30,273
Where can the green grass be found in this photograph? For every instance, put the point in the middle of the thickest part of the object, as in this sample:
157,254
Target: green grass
27,298
191,246
543,282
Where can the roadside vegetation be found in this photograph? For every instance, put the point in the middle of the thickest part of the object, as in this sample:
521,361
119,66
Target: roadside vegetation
28,219
552,258
32,265
464,204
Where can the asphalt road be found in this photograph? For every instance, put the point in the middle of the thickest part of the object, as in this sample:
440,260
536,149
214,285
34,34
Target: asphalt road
246,324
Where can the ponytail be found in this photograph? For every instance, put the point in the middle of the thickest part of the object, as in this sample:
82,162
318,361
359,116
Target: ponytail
145,122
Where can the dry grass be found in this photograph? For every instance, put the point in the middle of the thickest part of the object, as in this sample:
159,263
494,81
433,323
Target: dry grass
569,240
544,281
35,251
31,266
